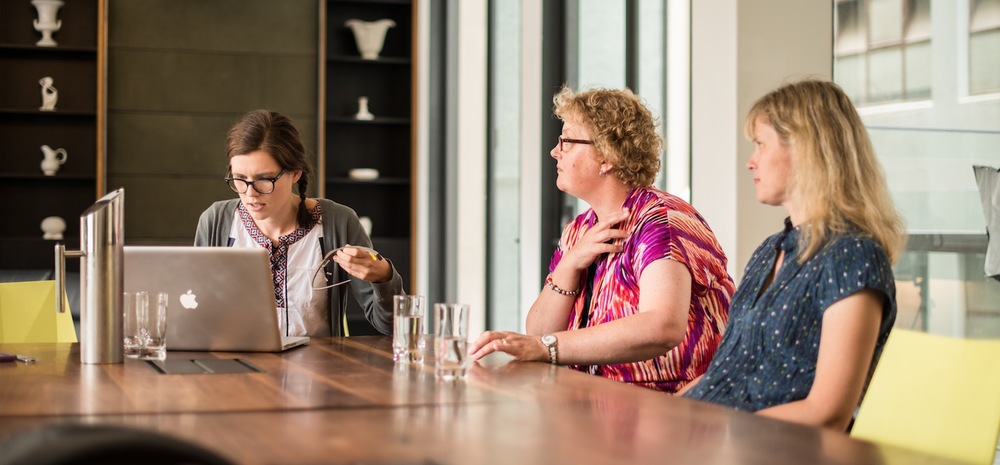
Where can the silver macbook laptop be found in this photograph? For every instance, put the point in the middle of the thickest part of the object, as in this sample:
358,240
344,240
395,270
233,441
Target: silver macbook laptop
221,298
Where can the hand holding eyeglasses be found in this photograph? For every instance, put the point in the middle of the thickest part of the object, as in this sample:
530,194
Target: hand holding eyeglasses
359,261
371,252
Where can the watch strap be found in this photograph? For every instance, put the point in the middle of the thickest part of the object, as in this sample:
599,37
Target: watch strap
553,348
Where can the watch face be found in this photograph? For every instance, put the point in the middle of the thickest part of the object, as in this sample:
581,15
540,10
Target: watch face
548,339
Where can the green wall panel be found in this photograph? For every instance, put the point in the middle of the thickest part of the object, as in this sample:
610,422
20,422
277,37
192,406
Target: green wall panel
255,26
180,73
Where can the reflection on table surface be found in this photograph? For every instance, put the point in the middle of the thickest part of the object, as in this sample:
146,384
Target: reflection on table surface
343,400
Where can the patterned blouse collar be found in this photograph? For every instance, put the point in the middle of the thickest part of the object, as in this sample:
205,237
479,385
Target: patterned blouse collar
285,240
789,239
629,202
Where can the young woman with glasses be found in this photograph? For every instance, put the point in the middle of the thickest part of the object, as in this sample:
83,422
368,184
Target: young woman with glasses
637,290
306,238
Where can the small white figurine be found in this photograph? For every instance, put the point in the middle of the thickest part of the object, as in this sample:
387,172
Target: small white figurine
51,159
363,113
53,227
49,94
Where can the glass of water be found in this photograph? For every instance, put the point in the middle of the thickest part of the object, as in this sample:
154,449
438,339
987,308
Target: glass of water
134,303
408,315
152,324
451,339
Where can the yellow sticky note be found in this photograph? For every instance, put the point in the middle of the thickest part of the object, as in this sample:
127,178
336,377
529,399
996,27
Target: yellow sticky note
28,314
935,394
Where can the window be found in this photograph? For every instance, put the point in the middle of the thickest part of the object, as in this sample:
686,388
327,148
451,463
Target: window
505,165
534,48
882,54
882,50
984,44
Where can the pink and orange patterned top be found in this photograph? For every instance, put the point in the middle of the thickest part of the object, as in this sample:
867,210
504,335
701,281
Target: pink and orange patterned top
661,226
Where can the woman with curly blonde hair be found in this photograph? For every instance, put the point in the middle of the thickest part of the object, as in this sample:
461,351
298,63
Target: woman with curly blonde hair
638,290
818,299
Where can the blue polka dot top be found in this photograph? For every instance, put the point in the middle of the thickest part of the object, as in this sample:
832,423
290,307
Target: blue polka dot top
768,353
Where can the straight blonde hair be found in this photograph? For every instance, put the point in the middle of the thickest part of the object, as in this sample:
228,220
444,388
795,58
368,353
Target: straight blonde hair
837,181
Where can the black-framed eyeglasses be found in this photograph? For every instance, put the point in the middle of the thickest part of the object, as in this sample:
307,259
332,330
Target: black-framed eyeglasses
261,185
328,258
563,141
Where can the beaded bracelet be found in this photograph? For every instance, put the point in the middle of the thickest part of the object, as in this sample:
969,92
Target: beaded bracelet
557,289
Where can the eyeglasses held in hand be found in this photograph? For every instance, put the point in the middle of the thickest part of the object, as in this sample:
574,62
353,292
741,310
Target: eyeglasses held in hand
329,258
261,185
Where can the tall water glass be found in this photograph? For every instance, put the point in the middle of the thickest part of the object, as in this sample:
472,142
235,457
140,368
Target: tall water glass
133,304
451,339
408,312
152,324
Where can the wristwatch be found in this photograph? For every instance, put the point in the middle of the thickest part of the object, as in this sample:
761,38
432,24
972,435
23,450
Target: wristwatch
550,341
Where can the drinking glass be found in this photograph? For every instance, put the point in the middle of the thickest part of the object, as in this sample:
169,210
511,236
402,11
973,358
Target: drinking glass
451,339
408,328
133,303
152,324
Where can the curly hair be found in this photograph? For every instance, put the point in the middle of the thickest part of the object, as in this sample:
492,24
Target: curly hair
276,134
836,177
622,128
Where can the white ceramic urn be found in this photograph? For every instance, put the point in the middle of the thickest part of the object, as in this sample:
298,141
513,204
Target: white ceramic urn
47,22
369,35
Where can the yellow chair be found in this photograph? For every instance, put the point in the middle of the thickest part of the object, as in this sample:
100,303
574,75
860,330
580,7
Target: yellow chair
28,314
936,395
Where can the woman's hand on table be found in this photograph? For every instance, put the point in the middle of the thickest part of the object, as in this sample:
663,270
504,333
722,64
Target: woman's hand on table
521,347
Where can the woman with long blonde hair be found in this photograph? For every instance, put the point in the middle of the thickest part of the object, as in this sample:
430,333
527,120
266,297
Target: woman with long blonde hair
818,299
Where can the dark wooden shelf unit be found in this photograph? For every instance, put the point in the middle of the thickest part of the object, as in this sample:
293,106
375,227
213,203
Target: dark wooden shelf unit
379,61
383,143
74,64
378,120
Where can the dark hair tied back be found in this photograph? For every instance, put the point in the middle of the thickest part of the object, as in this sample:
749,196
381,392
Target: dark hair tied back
275,134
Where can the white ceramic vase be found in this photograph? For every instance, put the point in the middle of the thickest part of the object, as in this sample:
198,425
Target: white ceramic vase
363,113
52,159
369,35
47,22
53,228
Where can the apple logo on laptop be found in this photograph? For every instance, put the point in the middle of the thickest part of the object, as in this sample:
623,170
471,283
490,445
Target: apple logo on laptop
189,300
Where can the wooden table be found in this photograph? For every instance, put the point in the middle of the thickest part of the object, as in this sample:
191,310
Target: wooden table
343,400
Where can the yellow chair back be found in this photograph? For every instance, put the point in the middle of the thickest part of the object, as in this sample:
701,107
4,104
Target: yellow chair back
27,314
935,394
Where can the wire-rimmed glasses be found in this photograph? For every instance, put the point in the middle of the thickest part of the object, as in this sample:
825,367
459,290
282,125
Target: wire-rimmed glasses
261,185
565,140
329,258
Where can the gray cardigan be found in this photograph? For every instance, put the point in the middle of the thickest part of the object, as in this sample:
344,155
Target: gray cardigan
340,226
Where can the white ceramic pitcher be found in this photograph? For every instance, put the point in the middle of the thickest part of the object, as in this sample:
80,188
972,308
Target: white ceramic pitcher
52,159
